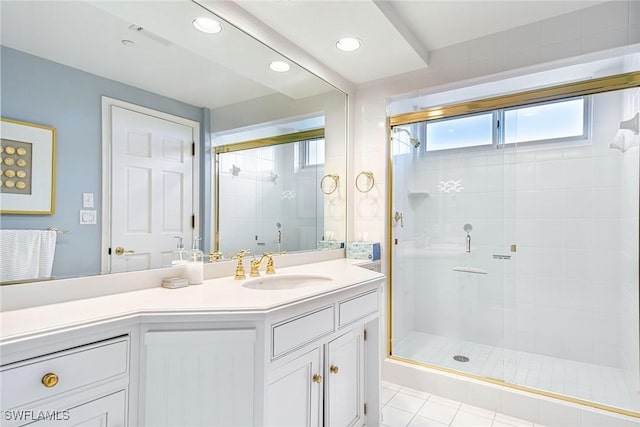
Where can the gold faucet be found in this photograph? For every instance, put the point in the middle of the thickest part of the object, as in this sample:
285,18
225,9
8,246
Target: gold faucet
240,267
256,263
215,256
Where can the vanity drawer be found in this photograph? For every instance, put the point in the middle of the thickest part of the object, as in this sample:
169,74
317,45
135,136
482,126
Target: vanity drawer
357,307
293,333
23,382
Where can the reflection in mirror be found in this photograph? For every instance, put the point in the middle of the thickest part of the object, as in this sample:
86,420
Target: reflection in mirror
60,58
268,198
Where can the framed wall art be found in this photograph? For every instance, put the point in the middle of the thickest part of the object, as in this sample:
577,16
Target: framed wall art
27,168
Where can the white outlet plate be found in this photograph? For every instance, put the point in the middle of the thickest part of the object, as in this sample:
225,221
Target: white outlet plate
88,217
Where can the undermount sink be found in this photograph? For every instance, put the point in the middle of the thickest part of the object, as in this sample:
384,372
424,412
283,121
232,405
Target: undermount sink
286,281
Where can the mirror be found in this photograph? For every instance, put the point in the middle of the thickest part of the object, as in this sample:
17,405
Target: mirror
59,58
268,194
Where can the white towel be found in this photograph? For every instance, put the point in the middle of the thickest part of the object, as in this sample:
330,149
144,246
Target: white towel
26,254
47,251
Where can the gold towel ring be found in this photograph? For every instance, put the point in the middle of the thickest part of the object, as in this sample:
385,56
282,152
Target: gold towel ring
329,190
370,180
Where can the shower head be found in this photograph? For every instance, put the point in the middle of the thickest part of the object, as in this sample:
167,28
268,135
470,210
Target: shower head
412,139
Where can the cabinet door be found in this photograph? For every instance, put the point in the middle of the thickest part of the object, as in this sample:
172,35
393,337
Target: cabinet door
108,411
199,378
294,393
344,399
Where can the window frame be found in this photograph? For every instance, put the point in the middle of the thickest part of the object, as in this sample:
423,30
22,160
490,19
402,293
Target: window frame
498,129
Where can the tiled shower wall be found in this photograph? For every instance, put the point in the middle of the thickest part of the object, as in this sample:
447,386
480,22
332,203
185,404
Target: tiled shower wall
560,292
629,232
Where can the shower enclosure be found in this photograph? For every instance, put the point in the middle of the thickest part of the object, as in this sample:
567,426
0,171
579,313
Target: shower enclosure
514,244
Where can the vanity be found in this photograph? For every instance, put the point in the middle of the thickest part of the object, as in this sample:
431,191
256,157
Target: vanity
298,348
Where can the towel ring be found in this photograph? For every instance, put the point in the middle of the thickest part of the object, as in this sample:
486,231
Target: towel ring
370,181
329,188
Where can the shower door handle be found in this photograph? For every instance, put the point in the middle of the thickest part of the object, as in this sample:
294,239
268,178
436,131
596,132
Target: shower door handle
397,217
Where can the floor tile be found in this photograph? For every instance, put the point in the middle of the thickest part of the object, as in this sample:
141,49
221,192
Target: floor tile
438,411
391,386
392,417
419,421
387,394
406,402
416,393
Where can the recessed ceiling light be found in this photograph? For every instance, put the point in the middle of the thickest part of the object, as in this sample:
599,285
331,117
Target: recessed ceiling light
207,25
348,44
279,66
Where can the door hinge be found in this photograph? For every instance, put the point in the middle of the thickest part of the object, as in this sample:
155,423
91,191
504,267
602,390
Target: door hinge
193,148
365,334
365,409
193,221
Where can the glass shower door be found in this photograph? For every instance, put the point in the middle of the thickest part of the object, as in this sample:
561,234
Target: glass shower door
448,222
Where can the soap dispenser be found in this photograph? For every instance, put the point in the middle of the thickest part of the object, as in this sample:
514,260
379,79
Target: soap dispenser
180,255
195,264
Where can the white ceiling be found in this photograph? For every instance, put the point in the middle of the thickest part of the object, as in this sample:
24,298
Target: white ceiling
169,56
396,34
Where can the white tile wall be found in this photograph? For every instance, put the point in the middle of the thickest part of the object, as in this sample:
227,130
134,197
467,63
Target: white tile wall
528,46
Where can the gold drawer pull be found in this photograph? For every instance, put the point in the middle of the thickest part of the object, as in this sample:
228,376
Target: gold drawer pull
333,369
317,378
50,380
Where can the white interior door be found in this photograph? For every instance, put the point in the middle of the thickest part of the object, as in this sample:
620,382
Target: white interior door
151,189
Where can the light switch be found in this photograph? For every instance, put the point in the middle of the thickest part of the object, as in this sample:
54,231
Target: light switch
87,200
88,217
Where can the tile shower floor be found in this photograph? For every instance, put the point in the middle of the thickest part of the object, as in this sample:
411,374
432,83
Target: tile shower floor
404,407
585,381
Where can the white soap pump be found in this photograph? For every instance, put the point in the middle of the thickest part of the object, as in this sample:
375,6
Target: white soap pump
195,264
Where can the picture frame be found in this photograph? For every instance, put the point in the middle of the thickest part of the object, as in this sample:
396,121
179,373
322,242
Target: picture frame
27,168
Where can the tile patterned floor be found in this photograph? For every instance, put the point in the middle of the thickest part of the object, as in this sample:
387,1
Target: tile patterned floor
405,407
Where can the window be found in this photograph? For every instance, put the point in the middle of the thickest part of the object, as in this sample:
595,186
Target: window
543,122
553,121
460,132
310,153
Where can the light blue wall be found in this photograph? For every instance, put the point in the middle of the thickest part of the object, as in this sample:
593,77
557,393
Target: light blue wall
40,91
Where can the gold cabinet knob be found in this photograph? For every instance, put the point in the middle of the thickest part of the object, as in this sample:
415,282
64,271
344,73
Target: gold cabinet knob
121,251
50,380
317,378
334,369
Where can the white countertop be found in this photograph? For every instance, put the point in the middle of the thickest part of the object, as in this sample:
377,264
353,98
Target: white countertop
223,295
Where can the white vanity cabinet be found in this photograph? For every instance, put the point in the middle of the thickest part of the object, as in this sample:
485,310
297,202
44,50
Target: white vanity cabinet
217,355
199,377
85,385
317,374
294,392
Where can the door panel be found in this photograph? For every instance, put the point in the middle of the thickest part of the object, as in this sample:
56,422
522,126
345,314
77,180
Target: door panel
293,398
151,189
345,380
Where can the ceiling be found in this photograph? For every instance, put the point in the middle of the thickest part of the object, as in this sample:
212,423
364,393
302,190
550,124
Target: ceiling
167,56
397,35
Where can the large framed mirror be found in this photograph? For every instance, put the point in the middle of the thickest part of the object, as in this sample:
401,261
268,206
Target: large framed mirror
61,59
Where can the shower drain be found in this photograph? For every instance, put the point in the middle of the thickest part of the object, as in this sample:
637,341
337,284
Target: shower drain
459,358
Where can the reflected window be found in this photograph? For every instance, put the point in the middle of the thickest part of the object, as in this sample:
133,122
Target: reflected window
310,153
